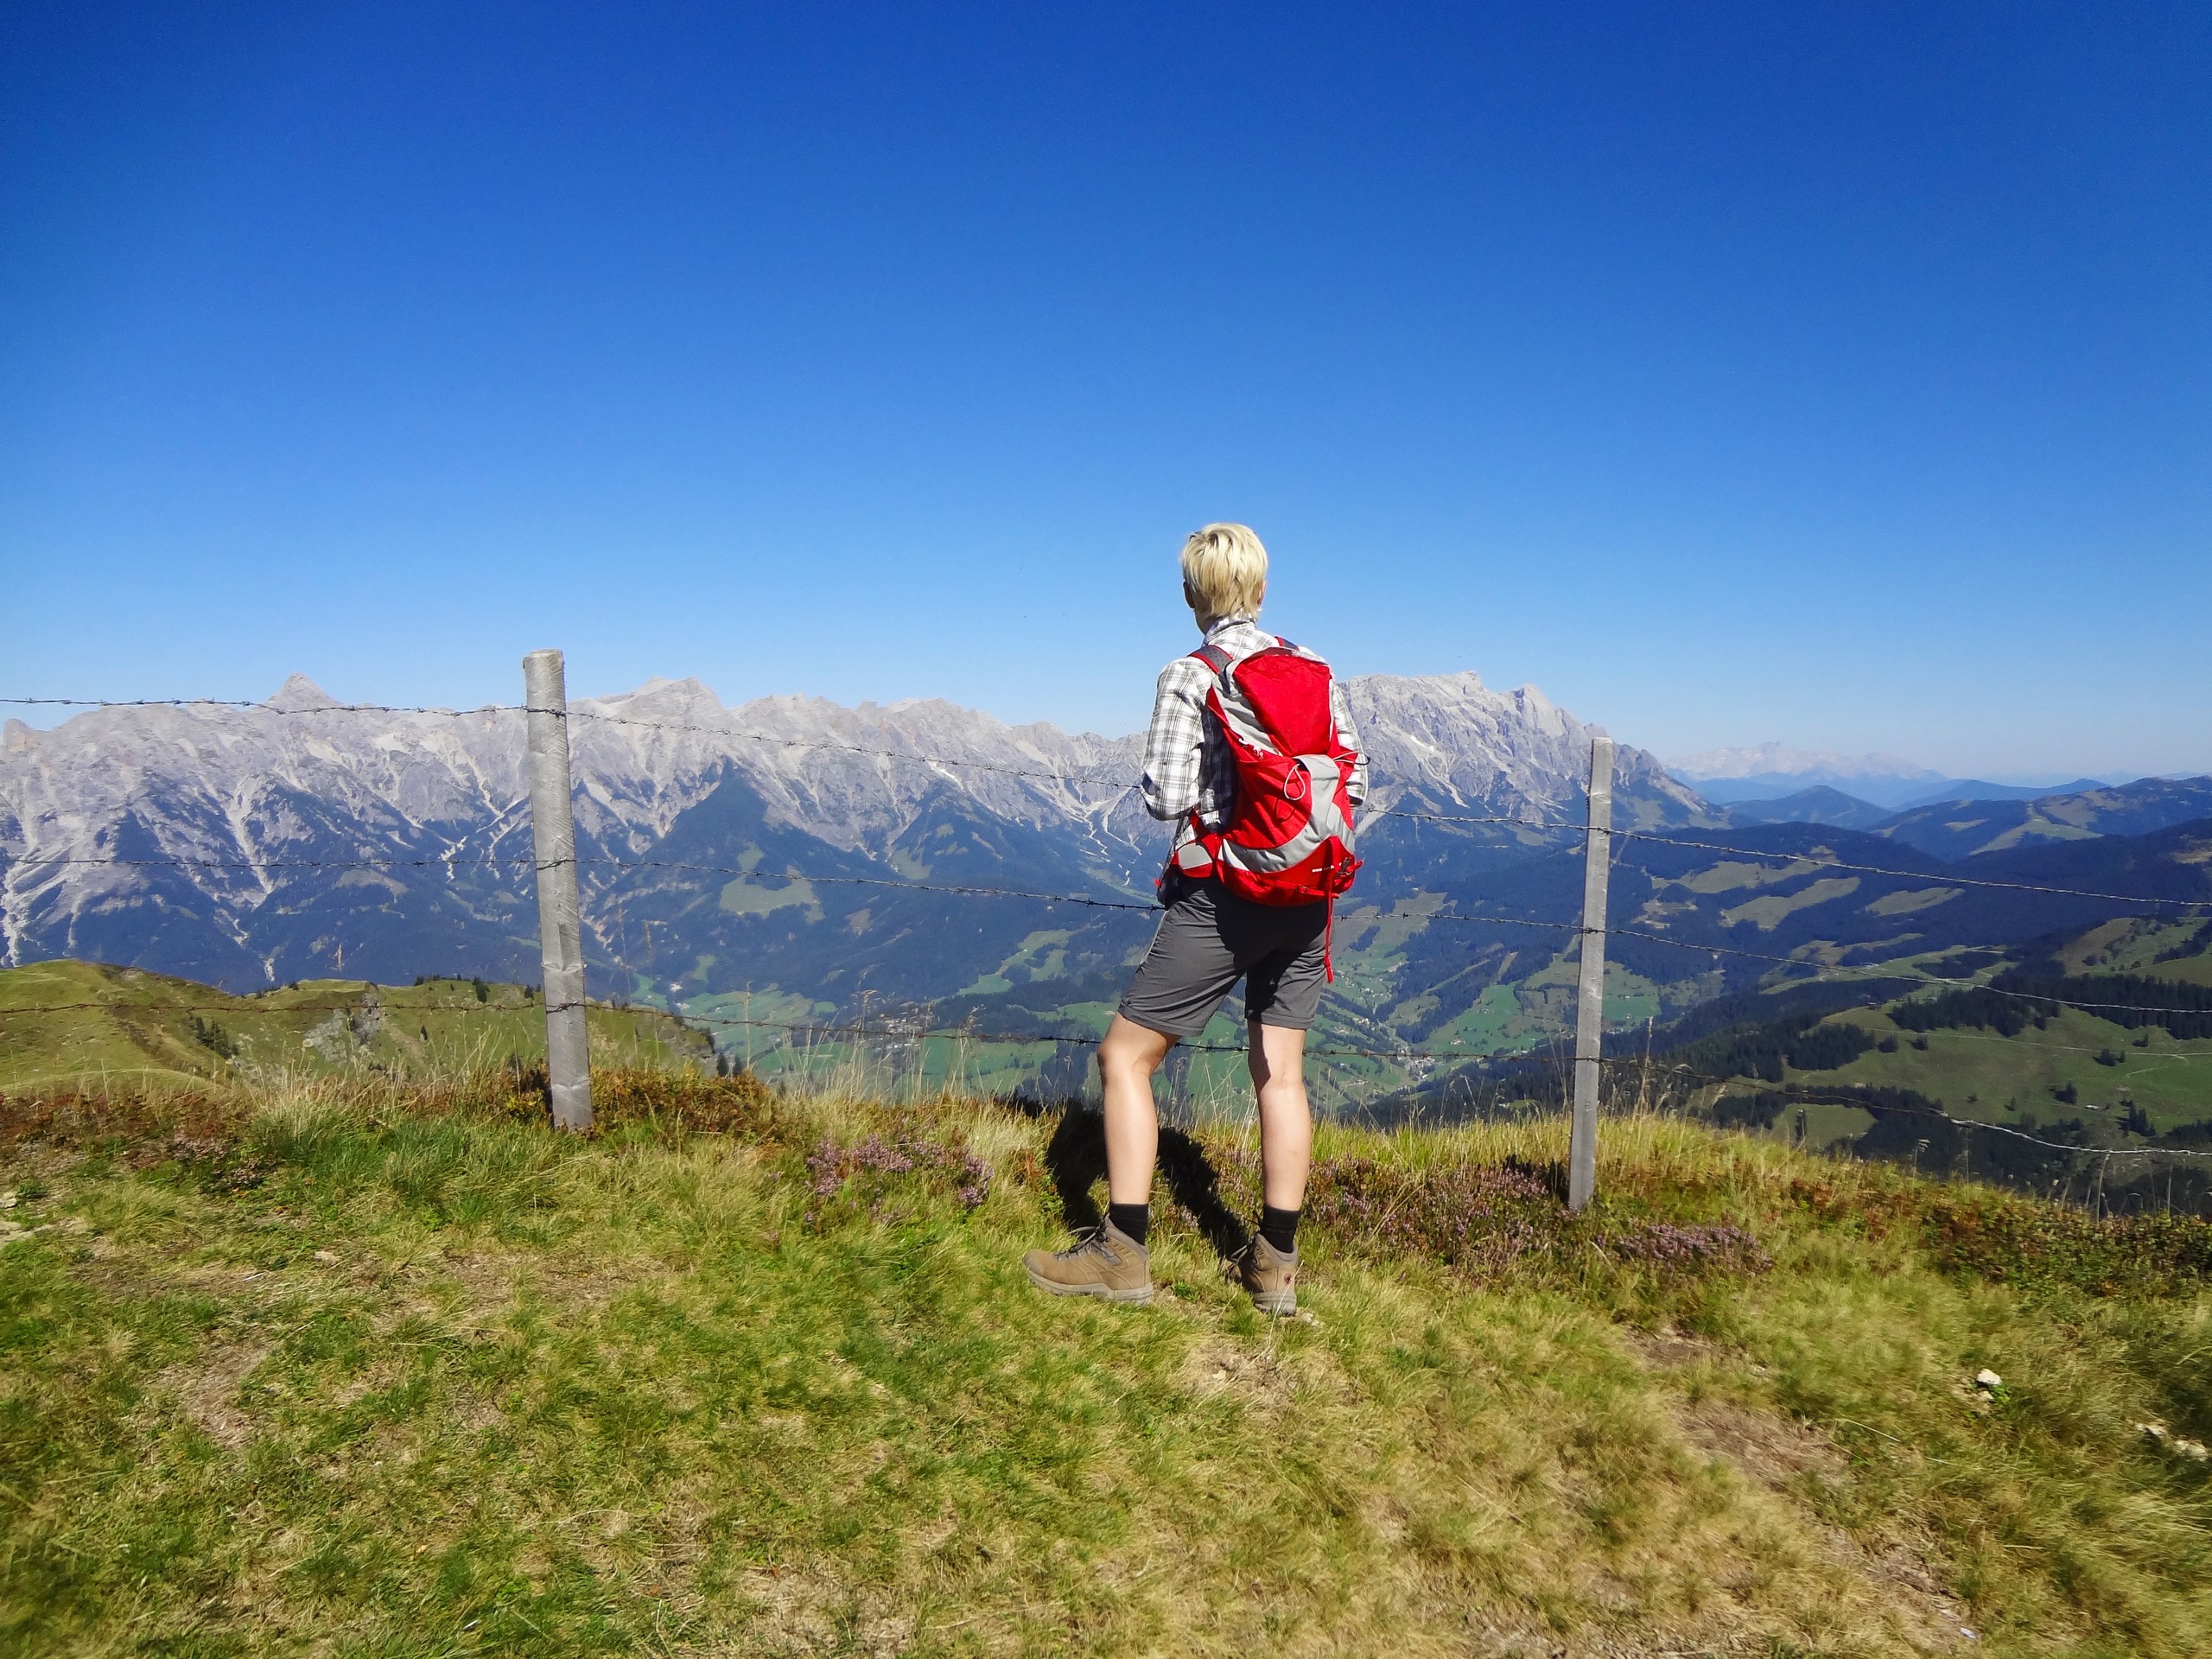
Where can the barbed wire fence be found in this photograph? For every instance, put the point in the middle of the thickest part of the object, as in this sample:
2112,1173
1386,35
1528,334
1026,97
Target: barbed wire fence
547,718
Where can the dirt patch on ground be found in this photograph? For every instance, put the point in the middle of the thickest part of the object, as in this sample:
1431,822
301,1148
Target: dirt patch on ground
1780,1457
1769,1449
493,1282
1217,1366
804,1613
207,1391
1781,1454
1668,1349
1930,1620
1495,1638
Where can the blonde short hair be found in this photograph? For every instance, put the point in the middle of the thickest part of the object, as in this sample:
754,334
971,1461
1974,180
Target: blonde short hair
1226,568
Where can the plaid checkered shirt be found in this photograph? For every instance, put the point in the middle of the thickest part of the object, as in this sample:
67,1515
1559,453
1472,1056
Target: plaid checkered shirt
1187,764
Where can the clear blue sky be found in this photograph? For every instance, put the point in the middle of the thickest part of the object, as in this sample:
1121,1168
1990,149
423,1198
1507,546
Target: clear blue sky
1839,374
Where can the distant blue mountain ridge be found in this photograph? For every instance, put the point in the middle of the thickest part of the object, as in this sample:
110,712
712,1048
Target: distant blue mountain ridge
1894,794
1819,805
1962,826
1974,789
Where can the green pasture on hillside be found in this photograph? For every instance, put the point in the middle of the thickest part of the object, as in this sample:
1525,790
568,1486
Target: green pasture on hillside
1975,1073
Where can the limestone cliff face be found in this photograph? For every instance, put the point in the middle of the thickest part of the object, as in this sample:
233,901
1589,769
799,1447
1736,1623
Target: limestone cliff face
1448,738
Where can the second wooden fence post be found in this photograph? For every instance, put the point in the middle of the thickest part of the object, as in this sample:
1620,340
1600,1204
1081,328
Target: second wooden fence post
560,917
1590,1006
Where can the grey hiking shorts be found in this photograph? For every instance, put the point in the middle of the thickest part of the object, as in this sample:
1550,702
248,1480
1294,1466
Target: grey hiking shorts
1208,940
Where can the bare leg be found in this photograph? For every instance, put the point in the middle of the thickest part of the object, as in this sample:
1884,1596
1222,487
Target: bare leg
1127,1059
1278,1062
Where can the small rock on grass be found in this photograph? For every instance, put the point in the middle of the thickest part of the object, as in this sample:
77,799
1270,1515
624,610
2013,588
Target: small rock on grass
2159,1434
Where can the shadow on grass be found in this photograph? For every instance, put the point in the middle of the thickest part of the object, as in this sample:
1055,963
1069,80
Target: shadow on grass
1075,1158
1550,1172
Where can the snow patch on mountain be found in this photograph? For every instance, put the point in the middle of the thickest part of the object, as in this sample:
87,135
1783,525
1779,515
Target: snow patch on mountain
1819,765
1447,741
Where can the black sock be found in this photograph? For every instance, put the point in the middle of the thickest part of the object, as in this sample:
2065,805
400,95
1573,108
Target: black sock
1130,1218
1280,1228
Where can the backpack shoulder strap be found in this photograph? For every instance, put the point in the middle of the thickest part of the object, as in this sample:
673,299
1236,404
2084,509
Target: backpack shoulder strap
1215,659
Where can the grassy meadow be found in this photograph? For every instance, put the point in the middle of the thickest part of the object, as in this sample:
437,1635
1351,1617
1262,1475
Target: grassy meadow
353,1366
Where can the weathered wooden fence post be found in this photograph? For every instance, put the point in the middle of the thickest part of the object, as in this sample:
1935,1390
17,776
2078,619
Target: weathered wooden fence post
560,916
1590,1009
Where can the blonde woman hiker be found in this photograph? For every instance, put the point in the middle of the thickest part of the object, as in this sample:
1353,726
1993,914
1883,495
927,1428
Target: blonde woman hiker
1253,756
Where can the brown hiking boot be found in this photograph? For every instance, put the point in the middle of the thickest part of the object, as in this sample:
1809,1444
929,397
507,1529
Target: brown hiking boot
1270,1276
1105,1262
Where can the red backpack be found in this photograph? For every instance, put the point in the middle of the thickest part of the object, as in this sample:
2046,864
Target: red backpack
1288,837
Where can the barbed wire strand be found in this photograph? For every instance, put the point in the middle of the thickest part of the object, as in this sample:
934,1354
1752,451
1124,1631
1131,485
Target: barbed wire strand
1843,1096
434,861
963,1034
1820,976
737,733
260,704
1797,1093
1939,879
580,714
1846,976
244,1008
600,715
522,861
1509,921
1373,813
1091,778
519,862
1943,878
1116,780
2149,1056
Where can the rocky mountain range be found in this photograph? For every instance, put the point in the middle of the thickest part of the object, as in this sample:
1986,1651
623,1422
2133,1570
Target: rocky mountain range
252,846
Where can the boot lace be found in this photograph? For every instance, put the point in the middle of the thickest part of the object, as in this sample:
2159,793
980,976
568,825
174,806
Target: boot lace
1089,1241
